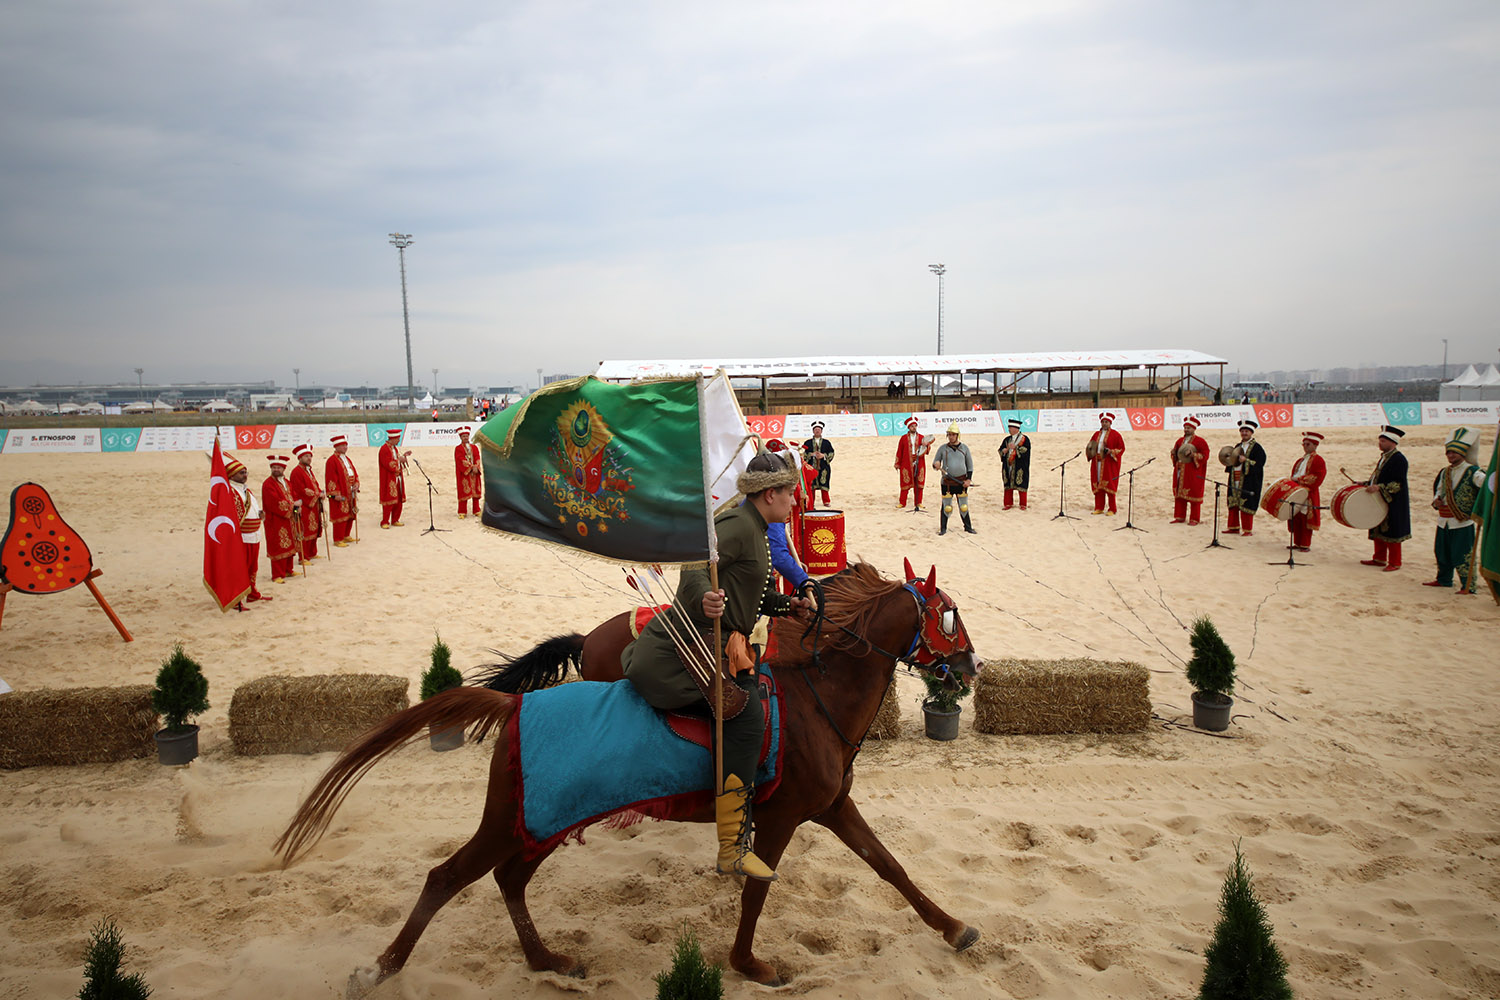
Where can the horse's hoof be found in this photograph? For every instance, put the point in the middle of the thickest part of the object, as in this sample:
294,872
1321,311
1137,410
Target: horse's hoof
966,939
762,974
361,981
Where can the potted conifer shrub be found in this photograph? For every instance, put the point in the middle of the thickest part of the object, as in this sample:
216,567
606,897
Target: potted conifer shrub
1242,962
181,693
439,676
691,977
940,709
102,978
1211,673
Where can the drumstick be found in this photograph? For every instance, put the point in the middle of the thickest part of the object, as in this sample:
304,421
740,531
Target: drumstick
1347,476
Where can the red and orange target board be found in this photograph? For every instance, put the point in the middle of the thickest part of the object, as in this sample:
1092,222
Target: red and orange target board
41,554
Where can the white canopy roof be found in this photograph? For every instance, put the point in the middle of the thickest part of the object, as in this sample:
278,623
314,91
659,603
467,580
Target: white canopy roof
1491,376
29,406
910,364
1469,377
156,405
216,406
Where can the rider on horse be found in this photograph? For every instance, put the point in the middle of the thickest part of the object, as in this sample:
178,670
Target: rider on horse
747,590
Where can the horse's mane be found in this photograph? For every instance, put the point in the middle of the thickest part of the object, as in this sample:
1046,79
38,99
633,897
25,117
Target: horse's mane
851,600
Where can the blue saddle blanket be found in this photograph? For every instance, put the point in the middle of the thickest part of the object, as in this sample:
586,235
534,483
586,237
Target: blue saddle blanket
590,749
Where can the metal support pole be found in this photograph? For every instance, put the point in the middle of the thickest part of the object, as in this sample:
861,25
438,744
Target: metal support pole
401,241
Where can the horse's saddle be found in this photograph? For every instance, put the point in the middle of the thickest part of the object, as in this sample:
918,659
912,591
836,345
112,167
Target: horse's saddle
697,726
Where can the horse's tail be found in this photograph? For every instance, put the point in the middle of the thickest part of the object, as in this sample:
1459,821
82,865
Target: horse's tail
543,667
457,707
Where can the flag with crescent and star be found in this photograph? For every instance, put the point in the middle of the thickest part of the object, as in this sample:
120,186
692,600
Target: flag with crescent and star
225,572
630,472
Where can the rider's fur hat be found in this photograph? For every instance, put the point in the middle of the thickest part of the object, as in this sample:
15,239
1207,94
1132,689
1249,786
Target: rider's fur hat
767,470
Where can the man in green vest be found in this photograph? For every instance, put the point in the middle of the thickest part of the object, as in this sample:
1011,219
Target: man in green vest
654,662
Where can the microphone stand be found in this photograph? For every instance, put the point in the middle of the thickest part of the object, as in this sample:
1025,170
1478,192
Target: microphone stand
1130,495
431,489
1216,544
1291,560
1061,488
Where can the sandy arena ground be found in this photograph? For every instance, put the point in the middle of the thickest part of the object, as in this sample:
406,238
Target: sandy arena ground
1361,779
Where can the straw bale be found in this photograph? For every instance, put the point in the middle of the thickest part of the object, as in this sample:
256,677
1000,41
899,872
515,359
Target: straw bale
76,725
887,724
1062,696
282,714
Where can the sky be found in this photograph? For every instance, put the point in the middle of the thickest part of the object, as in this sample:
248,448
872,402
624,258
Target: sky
205,191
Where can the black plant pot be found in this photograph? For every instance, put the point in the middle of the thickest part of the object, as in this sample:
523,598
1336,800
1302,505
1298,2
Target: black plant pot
940,725
1211,710
180,747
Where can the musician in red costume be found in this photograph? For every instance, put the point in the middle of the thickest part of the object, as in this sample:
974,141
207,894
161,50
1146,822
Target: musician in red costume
470,473
1188,473
392,479
279,519
248,505
309,494
911,451
1310,470
1105,448
342,482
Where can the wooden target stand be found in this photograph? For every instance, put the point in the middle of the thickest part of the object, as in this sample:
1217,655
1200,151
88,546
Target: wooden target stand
41,554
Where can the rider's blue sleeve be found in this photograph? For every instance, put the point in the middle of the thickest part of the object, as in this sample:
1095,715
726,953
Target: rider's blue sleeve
782,559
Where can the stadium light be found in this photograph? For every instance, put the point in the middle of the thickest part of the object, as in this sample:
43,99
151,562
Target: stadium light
939,270
401,241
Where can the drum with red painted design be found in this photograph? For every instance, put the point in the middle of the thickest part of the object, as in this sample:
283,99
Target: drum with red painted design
823,549
1284,498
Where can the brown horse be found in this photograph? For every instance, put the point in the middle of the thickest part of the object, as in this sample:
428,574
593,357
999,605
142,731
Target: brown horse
870,623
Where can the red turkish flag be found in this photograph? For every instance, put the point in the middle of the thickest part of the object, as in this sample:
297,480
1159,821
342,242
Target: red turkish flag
225,572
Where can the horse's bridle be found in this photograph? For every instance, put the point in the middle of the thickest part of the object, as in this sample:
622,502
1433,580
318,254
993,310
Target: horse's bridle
940,633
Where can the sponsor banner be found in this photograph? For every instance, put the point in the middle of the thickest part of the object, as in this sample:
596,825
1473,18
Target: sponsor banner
1338,415
835,425
257,436
969,422
1079,420
183,438
37,439
768,426
1456,412
288,436
1147,418
1274,414
119,438
1403,414
1209,416
1004,417
429,435
377,433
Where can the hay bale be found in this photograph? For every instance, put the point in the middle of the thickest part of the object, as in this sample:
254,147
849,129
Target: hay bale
1062,696
887,724
76,725
281,714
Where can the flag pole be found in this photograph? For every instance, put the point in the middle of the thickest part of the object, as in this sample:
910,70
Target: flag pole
713,582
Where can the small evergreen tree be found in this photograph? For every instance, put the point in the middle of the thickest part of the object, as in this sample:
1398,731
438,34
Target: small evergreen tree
181,690
101,968
1242,962
441,675
1211,670
690,978
940,696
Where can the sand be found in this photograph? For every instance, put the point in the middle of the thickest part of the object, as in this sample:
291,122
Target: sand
1360,775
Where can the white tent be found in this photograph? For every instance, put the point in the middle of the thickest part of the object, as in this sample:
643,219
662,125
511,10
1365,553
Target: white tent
92,408
68,408
29,406
153,407
331,403
1454,389
217,406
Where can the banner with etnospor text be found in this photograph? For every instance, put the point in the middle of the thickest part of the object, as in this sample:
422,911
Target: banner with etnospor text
1455,412
52,439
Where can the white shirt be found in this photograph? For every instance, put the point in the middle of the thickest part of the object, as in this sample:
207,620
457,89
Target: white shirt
252,510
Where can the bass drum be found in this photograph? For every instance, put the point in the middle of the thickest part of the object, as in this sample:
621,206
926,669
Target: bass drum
1284,498
1353,507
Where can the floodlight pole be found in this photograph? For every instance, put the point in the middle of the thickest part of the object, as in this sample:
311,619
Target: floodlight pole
1445,359
141,385
939,270
401,241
